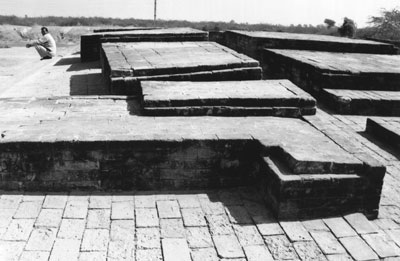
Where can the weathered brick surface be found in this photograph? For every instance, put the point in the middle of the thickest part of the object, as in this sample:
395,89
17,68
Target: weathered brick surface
228,246
19,230
193,217
49,218
358,249
41,239
281,248
71,229
123,210
95,240
258,252
172,228
175,249
327,242
168,209
122,230
148,238
204,254
199,237
65,249
147,217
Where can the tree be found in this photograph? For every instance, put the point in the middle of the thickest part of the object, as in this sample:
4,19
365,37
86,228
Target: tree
348,29
329,23
387,25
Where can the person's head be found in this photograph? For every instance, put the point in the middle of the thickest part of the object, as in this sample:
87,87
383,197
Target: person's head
44,30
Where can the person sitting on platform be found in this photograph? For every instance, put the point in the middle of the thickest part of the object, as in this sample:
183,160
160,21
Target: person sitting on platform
45,46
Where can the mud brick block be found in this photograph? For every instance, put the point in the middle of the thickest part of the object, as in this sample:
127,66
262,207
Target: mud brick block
34,255
147,217
361,224
55,201
123,210
95,240
315,225
188,201
172,228
308,250
76,209
168,209
199,237
98,218
71,229
49,218
11,250
88,256
65,249
41,239
204,254
148,238
268,225
120,250
255,253
382,245
19,230
295,231
145,201
327,243
248,235
219,225
175,249
28,209
358,249
122,230
280,248
193,217
100,201
228,246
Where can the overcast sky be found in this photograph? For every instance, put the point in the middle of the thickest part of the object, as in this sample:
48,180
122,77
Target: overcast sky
252,11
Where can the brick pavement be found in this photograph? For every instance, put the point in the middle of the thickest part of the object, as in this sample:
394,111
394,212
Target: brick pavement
198,225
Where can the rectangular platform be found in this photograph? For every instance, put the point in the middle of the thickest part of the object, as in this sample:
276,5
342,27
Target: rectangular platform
91,43
252,43
126,64
363,102
229,98
326,75
98,144
386,129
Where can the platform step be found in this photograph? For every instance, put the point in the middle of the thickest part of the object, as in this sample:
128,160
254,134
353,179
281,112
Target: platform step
240,98
294,195
385,129
363,102
125,64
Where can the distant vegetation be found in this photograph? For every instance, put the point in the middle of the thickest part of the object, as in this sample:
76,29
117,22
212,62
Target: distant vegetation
385,26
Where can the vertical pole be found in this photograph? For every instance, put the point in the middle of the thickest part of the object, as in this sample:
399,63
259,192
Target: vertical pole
155,11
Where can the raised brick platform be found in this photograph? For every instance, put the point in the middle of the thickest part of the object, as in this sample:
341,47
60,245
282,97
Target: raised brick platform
53,145
126,64
123,29
91,43
252,43
385,129
333,76
238,98
364,102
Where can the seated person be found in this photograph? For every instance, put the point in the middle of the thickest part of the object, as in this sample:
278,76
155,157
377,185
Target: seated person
45,46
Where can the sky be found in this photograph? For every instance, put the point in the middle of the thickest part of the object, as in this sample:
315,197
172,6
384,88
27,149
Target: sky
283,12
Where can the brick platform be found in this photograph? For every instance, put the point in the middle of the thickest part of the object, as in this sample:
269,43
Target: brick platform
239,98
364,102
126,64
91,43
252,43
385,129
328,75
49,150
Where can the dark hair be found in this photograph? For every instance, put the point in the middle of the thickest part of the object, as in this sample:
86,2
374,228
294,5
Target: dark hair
45,29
